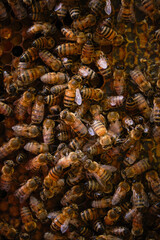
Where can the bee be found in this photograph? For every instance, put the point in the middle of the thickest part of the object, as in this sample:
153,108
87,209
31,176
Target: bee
38,208
98,227
112,216
103,66
137,225
51,236
56,109
37,10
75,123
41,27
58,88
40,160
3,12
112,102
73,195
120,231
54,78
77,143
5,109
153,181
12,145
7,175
61,10
93,185
69,34
97,7
72,94
18,9
24,236
43,42
95,149
51,191
85,22
87,55
50,60
65,136
67,49
99,128
30,55
137,168
74,12
10,85
27,219
21,157
115,127
132,154
95,94
139,199
52,100
67,63
91,214
8,231
154,209
75,175
48,131
37,114
30,75
66,161
120,193
36,148
53,176
119,83
28,131
148,7
25,190
88,74
156,110
61,221
126,12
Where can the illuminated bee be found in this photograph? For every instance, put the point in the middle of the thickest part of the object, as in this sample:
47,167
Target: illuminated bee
36,148
60,222
87,55
40,160
156,110
7,175
27,219
5,109
48,131
65,136
115,127
137,225
12,145
54,78
99,128
93,185
88,74
53,176
126,12
85,22
37,110
103,66
69,34
51,236
58,88
92,93
66,161
75,175
120,192
139,197
97,7
73,195
25,190
77,143
95,149
153,181
44,42
132,154
143,84
91,214
67,49
98,226
8,231
112,102
18,9
52,100
30,55
53,190
74,12
119,83
61,10
50,60
67,63
28,131
42,27
137,168
38,208
37,10
75,123
10,85
81,37
3,12
30,75
112,216
120,231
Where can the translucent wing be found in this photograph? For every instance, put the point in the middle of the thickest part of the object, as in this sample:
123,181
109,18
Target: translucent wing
91,131
83,72
54,214
108,7
78,97
102,62
57,7
64,226
109,168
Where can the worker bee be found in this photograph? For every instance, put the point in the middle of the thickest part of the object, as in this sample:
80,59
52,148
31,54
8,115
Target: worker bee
54,78
75,123
132,154
74,12
88,74
69,34
156,110
40,160
120,193
3,12
37,110
61,221
61,10
48,131
73,195
53,176
36,148
28,131
99,128
58,88
41,27
112,102
30,75
91,214
66,161
112,216
153,181
95,149
7,175
148,7
44,42
27,219
87,55
12,145
92,93
27,2
52,100
38,10
8,231
139,199
85,231
21,157
96,110
77,143
5,109
75,175
85,22
120,231
97,7
119,83
67,63
30,55
18,9
67,49
102,203
93,185
137,225
98,226
126,12
38,208
10,85
50,60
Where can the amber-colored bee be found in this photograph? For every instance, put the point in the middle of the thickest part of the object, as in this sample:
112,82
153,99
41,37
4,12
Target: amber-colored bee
140,199
48,131
119,83
97,7
99,128
93,185
154,181
102,203
36,148
137,225
66,161
10,85
120,192
50,60
67,63
156,110
25,190
51,236
52,100
73,195
67,49
120,231
103,65
85,22
30,55
126,12
91,214
12,145
18,9
112,216
85,231
59,222
87,55
61,10
41,160
77,143
58,88
148,7
112,102
44,42
88,74
69,34
38,208
3,12
28,2
95,149
43,27
27,219
5,109
92,93
37,10
74,122
37,110
28,131
115,127
7,175
8,231
53,176
54,78
132,154
75,175
74,12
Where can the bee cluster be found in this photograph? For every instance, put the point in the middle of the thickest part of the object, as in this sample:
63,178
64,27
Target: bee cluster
80,119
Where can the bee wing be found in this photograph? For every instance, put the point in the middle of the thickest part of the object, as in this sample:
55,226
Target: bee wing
91,131
64,226
57,7
108,7
83,72
146,202
54,214
102,63
109,168
78,97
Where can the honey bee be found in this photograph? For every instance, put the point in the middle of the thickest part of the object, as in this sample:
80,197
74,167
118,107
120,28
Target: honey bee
95,149
69,34
12,145
38,208
137,225
7,230
156,110
98,226
48,131
66,161
132,154
7,175
58,88
112,102
85,231
126,12
75,175
51,236
65,136
77,143
10,85
88,74
75,123
81,38
5,109
148,7
99,128
92,93
120,231
97,7
27,2
93,185
60,222
28,131
112,216
119,83
102,203
153,181
140,199
52,100
36,148
87,55
27,219
67,63
67,49
50,60
37,110
54,110
37,10
18,9
25,190
30,55
53,190
21,157
73,195
103,66
41,27
74,12
53,176
30,75
91,214
44,42
3,12
85,22
61,10
35,163
120,193
54,78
